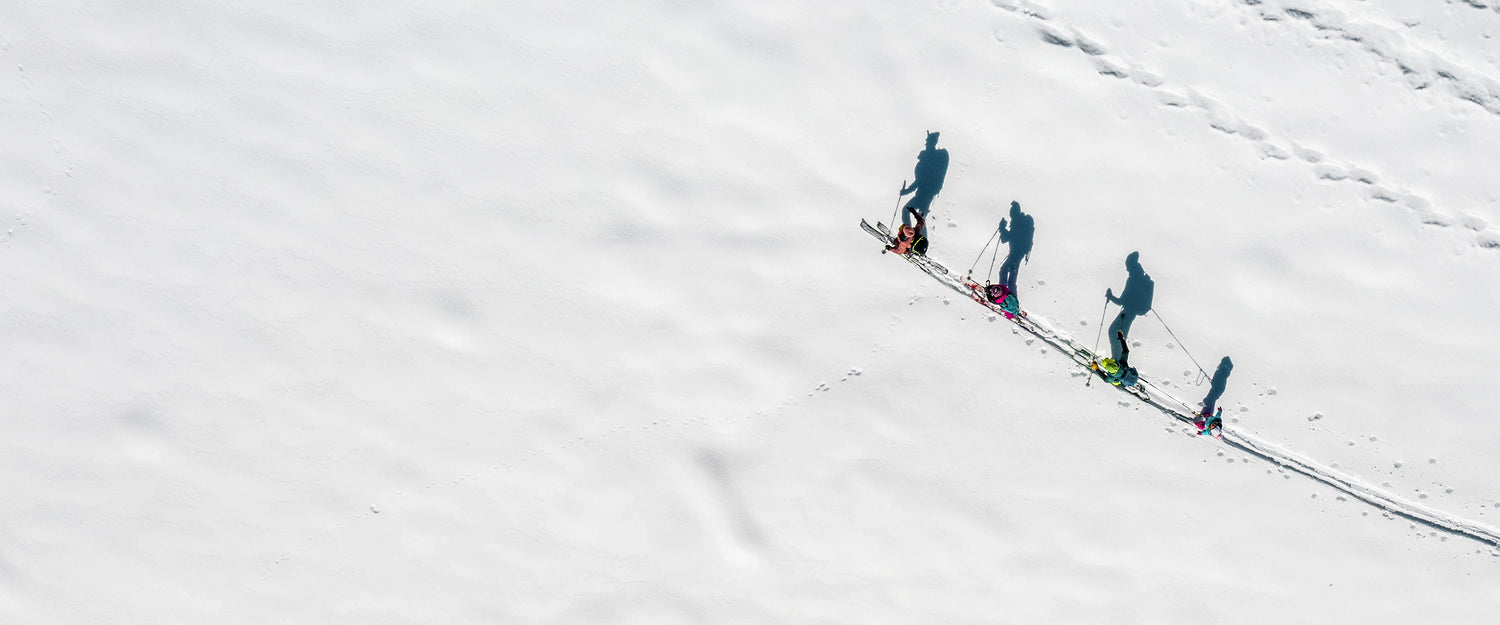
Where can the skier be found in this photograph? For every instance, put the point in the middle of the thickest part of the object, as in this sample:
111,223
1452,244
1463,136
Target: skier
1211,426
909,238
1001,295
1118,372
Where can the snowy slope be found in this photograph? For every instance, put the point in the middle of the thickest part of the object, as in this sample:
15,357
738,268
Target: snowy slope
559,313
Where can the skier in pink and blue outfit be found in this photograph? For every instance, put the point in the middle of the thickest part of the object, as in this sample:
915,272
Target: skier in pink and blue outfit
1211,426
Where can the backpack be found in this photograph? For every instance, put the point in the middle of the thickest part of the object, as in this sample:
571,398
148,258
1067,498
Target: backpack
1118,375
1002,296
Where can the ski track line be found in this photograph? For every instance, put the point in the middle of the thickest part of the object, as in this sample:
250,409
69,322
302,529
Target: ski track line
1251,445
1468,84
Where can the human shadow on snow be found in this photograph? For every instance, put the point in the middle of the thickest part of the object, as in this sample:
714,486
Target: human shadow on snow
927,181
1216,387
1019,234
1134,301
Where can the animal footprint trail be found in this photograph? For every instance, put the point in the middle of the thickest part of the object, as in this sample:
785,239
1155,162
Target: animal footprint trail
60,150
1422,68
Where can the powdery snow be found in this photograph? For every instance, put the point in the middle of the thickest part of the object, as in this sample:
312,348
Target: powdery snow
559,313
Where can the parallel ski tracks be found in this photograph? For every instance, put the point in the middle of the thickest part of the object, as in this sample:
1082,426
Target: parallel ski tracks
1154,396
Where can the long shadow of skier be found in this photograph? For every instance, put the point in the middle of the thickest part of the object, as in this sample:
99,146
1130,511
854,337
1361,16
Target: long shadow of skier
1134,300
1216,388
927,181
1019,234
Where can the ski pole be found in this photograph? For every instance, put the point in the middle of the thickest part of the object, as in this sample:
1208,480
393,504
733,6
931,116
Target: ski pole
1184,347
898,204
1099,335
981,254
997,250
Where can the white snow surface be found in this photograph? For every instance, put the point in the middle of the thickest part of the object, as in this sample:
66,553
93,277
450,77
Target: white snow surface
549,312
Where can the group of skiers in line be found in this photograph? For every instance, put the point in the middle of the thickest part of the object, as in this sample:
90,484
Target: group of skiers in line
911,238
